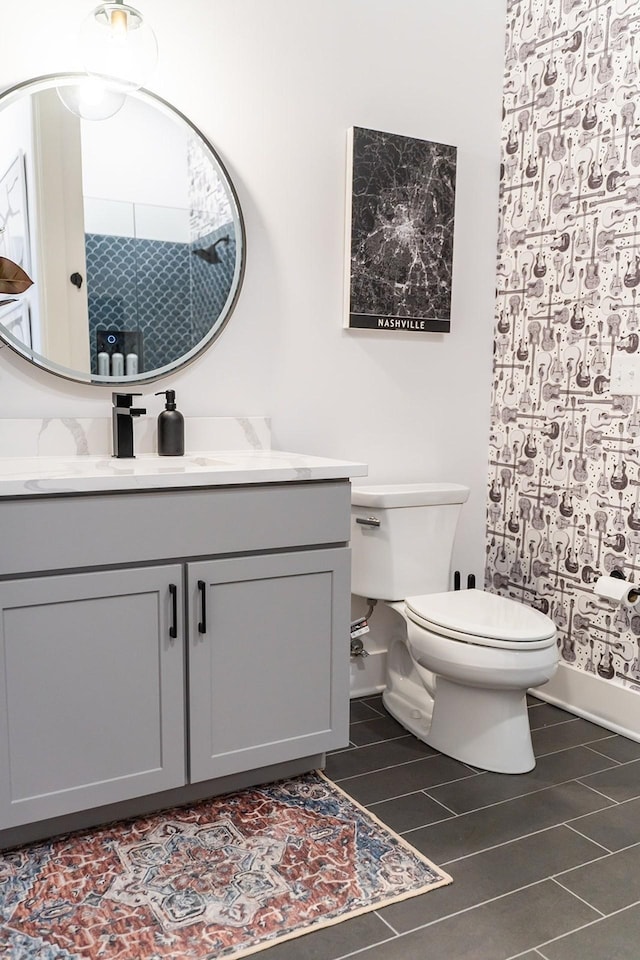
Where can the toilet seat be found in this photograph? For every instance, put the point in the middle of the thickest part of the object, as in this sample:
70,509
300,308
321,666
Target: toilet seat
483,619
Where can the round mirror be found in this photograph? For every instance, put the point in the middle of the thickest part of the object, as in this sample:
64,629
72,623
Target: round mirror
127,222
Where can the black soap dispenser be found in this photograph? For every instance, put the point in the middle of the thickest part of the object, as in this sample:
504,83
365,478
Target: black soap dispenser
170,427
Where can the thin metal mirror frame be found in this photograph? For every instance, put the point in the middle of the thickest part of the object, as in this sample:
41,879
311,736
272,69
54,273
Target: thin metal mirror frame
46,81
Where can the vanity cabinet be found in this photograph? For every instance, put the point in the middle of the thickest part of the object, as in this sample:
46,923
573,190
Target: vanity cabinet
91,697
261,665
203,633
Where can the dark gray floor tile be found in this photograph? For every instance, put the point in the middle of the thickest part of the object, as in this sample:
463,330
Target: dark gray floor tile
502,822
406,813
407,778
613,938
620,783
375,702
488,788
493,931
560,736
615,827
610,884
374,730
494,873
618,748
377,756
333,941
533,701
359,710
545,714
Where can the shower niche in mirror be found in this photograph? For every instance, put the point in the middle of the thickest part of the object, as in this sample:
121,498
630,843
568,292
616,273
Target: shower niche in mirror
129,227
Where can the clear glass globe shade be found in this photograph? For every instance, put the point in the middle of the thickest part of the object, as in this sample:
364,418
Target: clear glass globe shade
118,44
91,99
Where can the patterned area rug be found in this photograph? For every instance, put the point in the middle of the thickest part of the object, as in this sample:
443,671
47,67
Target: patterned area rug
224,878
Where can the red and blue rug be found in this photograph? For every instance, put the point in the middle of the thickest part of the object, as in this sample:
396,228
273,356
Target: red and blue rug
221,879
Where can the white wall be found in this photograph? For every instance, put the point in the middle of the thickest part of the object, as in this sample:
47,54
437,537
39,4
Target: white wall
274,86
152,171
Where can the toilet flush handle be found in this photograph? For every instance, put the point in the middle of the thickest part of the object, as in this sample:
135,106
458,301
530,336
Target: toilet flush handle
368,521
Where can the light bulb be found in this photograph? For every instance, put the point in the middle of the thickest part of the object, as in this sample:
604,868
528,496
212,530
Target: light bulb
118,44
91,99
118,24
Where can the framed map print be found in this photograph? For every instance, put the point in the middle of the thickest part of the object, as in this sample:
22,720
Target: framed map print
400,213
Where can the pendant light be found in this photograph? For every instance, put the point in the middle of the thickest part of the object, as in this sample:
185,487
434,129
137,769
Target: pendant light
90,98
117,44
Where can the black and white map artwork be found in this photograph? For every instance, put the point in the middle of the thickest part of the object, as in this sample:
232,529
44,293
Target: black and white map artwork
400,247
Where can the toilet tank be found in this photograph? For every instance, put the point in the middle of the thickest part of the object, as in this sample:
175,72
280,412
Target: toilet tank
402,538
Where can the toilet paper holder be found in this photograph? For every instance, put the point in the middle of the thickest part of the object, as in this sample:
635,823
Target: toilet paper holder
616,588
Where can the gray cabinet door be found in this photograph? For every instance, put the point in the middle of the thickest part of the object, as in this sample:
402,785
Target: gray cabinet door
268,659
91,690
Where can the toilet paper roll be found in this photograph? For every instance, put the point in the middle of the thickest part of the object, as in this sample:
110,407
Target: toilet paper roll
620,591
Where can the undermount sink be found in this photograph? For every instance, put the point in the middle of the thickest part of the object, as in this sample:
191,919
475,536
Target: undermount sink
93,465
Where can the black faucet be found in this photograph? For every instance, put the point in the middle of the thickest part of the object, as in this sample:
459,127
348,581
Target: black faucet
122,417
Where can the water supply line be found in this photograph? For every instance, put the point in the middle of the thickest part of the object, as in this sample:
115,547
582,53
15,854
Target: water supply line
359,628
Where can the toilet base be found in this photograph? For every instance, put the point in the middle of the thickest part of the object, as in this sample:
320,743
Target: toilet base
485,727
413,715
488,729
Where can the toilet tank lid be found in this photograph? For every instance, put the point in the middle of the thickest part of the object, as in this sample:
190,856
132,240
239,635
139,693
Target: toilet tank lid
389,495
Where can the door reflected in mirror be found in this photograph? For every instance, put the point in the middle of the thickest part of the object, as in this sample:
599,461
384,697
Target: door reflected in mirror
129,227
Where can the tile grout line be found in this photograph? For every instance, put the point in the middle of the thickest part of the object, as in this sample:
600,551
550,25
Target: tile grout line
404,736
370,946
375,743
524,836
397,796
457,913
375,709
473,772
587,746
493,900
614,803
569,827
581,899
519,796
629,846
440,803
591,923
386,922
497,803
525,953
591,746
400,796
599,752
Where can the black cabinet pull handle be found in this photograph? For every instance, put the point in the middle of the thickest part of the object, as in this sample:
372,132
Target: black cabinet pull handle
173,629
202,587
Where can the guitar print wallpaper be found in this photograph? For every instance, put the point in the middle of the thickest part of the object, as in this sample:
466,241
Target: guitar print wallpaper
564,476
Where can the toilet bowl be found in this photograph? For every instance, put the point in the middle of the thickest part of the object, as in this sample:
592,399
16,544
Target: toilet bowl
459,663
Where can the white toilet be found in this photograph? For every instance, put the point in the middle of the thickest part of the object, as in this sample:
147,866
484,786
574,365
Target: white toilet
459,662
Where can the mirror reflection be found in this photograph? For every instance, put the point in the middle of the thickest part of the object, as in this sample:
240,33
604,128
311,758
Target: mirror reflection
128,226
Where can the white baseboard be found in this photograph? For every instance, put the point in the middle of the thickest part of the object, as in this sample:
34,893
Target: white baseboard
367,674
612,706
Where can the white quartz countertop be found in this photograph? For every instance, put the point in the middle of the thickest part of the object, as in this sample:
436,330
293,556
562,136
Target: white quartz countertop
56,475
